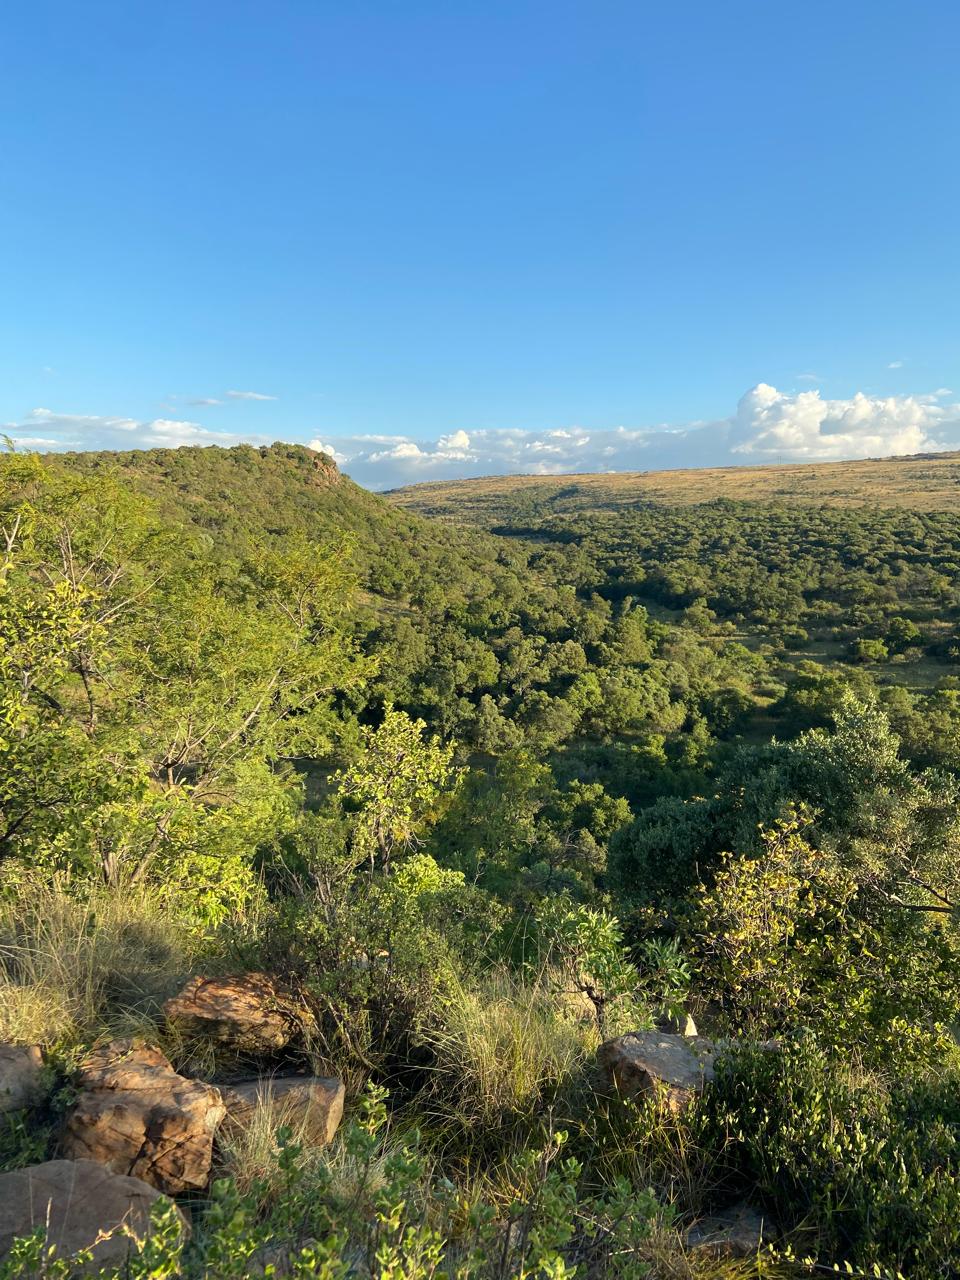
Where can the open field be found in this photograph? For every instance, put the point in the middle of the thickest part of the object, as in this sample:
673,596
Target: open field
925,482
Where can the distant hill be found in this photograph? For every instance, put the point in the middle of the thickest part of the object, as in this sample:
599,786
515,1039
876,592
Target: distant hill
235,496
925,482
229,492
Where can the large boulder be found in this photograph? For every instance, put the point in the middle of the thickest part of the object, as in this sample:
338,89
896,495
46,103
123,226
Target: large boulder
20,1074
81,1204
135,1115
674,1068
311,1105
250,1013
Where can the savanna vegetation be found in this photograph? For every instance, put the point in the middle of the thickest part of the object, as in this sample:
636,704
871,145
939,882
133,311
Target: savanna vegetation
487,792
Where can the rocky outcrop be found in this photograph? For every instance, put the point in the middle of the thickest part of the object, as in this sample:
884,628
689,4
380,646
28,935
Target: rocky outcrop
658,1064
250,1013
20,1074
738,1233
136,1116
311,1105
81,1204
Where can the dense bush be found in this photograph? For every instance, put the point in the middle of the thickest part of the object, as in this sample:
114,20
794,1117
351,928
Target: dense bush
870,1167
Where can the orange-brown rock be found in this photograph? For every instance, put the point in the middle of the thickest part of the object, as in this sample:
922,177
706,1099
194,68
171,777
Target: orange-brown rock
136,1116
674,1068
250,1013
311,1105
82,1205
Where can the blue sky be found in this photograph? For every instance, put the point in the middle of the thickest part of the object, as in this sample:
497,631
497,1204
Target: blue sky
461,238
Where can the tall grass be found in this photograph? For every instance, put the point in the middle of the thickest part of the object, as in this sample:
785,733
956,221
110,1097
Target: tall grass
505,1046
72,970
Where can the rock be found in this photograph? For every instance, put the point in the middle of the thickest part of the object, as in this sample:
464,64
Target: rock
738,1233
251,1013
682,1026
311,1105
658,1063
20,1073
137,1116
78,1201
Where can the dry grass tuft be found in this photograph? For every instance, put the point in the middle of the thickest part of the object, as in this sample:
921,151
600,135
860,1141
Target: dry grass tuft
72,970
505,1046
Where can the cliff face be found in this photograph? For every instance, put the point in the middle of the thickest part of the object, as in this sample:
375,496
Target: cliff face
324,469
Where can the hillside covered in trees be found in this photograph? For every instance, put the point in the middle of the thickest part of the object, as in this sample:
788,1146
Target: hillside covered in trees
499,788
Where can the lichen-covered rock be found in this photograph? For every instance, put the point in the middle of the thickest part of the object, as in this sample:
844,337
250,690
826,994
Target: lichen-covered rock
136,1116
738,1233
655,1063
311,1105
82,1205
250,1013
21,1067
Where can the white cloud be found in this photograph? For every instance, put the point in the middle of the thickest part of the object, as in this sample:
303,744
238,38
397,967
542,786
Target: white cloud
895,364
81,431
406,450
319,447
204,400
454,448
248,395
34,442
774,423
767,425
375,439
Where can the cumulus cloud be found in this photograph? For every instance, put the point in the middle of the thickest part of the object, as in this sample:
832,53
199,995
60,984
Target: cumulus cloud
48,429
319,447
769,422
767,425
404,449
248,395
895,364
454,448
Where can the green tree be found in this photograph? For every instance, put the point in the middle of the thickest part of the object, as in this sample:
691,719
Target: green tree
394,785
151,706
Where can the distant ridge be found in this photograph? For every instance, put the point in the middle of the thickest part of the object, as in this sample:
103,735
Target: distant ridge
921,482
